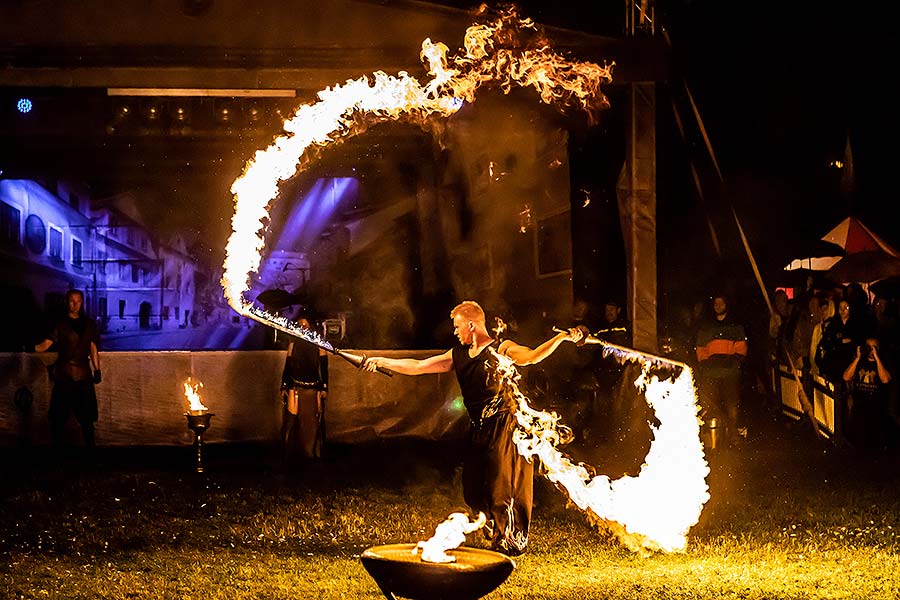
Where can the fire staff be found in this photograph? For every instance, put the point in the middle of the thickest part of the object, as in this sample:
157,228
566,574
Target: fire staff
497,480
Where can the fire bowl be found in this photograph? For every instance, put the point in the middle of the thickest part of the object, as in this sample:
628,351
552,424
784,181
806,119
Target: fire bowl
399,572
198,420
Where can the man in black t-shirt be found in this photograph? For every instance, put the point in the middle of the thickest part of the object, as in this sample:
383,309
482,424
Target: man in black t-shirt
868,377
75,372
497,480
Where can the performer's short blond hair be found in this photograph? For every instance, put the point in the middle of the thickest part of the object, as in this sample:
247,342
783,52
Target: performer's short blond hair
470,310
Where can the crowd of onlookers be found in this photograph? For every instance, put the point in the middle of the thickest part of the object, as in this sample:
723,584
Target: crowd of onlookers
845,339
849,336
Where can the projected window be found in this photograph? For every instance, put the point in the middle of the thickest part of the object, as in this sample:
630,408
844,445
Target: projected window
10,218
553,245
35,234
76,253
56,243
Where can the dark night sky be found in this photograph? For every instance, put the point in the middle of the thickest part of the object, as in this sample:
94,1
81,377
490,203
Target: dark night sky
779,86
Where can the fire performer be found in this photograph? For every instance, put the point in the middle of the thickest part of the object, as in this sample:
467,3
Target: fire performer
75,339
304,383
497,480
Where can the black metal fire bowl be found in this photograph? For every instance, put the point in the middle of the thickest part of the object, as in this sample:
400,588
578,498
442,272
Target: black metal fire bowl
399,572
198,420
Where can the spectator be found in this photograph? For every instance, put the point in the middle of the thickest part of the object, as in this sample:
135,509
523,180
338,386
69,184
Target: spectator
868,377
840,336
826,311
76,370
778,322
721,351
304,384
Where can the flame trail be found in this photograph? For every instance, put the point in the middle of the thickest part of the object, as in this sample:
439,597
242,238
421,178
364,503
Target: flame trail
490,56
654,510
447,536
192,393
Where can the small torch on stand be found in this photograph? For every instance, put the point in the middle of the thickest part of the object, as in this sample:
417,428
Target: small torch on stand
198,417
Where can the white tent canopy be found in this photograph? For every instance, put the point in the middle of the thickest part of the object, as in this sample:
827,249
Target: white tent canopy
851,235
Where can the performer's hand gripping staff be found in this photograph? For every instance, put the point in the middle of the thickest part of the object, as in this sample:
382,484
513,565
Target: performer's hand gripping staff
592,339
359,361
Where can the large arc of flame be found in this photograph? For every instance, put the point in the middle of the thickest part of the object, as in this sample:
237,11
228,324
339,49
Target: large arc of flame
348,110
654,510
625,505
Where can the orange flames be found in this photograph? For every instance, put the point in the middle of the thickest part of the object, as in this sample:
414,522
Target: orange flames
506,52
652,511
192,393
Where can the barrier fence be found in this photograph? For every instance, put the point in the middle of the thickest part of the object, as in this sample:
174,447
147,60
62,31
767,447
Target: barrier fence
825,397
141,399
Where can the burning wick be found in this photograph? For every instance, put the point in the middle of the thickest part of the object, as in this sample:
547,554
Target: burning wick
192,393
447,536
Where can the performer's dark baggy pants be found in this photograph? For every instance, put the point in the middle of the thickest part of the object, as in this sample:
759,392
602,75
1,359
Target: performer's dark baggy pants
499,482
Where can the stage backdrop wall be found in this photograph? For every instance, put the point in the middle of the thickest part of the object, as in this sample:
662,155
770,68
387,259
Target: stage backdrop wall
141,399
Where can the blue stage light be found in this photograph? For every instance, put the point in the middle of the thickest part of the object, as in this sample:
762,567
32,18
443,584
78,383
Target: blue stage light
24,105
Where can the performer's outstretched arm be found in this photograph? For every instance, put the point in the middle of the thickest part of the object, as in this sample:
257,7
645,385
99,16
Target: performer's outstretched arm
523,355
441,363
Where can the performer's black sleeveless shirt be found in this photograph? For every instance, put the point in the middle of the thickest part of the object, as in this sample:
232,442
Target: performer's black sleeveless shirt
477,378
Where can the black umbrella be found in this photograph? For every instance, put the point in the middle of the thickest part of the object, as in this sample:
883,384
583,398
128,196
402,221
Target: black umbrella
276,299
888,287
865,267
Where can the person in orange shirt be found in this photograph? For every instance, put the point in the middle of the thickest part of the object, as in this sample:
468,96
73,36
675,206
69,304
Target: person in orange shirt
721,351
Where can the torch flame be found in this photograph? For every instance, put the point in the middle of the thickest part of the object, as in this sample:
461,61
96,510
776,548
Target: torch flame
499,328
652,511
192,393
447,536
491,55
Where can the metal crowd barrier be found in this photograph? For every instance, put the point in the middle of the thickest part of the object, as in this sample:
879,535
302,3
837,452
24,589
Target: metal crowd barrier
824,396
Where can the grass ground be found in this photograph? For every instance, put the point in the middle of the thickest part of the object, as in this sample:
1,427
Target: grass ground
788,518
